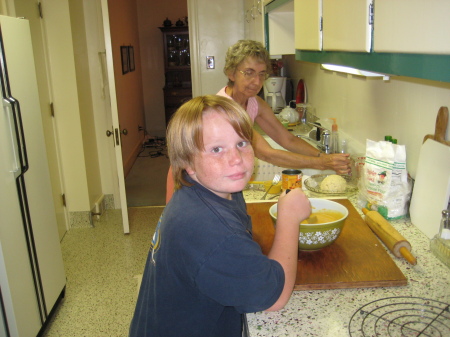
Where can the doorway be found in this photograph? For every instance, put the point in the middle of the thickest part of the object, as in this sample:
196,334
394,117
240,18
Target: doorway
146,176
145,184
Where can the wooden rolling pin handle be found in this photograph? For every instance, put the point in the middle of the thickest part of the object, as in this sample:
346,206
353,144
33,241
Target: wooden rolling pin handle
408,256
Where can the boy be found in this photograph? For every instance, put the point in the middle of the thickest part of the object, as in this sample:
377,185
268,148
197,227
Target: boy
204,271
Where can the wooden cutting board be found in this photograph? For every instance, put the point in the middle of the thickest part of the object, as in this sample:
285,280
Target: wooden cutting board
357,259
432,184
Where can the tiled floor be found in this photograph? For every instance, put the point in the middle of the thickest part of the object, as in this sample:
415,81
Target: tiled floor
102,265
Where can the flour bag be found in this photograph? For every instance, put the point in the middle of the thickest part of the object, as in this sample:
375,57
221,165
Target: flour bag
384,185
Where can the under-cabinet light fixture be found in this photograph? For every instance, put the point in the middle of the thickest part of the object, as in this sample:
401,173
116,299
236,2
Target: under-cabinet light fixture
354,71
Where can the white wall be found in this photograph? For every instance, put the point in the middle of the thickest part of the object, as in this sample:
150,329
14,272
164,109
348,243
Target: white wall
214,26
402,107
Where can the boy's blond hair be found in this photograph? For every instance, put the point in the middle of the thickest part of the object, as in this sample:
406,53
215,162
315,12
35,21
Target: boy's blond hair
185,130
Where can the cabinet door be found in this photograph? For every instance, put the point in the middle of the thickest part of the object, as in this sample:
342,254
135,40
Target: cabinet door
412,26
346,25
308,32
176,48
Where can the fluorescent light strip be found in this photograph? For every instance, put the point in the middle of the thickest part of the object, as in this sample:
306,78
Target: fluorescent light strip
353,71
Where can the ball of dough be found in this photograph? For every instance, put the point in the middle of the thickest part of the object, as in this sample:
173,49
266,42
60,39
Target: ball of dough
333,183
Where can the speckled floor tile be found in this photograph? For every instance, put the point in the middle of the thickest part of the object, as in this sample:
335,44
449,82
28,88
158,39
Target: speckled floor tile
102,266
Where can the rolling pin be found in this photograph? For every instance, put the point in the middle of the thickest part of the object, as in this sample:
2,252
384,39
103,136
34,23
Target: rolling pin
396,243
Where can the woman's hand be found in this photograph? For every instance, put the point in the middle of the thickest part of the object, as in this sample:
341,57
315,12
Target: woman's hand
339,162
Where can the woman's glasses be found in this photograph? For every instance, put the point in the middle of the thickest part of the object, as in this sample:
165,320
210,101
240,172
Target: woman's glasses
251,74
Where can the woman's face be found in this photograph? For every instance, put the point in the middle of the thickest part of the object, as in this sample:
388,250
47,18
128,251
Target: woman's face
249,77
226,164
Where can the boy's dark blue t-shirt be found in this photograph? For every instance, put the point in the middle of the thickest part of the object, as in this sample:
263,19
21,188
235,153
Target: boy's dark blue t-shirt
204,270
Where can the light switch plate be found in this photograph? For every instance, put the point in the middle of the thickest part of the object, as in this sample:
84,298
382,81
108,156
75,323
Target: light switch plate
210,64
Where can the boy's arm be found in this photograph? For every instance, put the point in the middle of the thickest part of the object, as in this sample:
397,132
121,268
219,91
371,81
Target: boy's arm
292,209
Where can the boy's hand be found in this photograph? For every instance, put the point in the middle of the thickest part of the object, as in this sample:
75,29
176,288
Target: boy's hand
293,207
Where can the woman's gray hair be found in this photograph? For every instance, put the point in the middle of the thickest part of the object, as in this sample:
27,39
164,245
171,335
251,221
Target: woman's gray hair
240,51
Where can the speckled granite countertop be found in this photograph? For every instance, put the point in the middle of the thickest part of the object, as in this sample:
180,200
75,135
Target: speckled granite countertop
327,313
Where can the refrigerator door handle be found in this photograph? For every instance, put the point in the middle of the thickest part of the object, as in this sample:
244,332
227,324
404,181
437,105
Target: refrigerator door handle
15,166
12,107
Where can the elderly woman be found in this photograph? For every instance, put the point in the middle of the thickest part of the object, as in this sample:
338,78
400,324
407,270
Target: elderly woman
246,65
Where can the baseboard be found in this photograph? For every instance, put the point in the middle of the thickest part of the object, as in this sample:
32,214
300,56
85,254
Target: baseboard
129,162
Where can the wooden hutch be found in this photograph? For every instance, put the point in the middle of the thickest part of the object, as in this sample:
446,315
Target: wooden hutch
177,67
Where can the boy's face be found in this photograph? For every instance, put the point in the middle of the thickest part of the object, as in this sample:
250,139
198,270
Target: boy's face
226,164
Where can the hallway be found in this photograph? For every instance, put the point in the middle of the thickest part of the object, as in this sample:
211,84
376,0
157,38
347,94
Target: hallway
145,184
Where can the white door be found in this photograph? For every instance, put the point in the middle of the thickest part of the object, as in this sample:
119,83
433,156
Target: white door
115,130
28,10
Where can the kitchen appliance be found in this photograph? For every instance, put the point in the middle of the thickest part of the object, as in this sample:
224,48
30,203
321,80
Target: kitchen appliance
431,191
289,113
32,278
301,95
275,92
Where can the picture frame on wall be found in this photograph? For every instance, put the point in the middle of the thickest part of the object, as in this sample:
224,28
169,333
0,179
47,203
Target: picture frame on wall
131,58
125,59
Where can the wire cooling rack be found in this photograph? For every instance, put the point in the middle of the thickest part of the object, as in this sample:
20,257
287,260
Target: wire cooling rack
401,317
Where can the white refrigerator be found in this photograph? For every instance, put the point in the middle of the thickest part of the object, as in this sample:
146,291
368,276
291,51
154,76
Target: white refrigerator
32,278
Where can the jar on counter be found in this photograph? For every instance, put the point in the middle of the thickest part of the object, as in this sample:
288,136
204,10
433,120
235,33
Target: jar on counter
440,244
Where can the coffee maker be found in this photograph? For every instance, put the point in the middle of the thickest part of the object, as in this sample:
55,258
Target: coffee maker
275,93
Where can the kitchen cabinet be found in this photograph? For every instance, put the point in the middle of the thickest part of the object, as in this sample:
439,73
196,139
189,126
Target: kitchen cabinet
346,25
254,20
177,67
279,20
410,38
308,24
333,25
412,26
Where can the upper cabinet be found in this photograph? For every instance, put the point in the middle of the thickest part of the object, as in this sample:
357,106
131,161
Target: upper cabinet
331,25
401,26
412,26
347,25
279,21
308,24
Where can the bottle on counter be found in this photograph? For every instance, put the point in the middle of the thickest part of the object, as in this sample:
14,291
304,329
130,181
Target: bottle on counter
440,244
334,137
